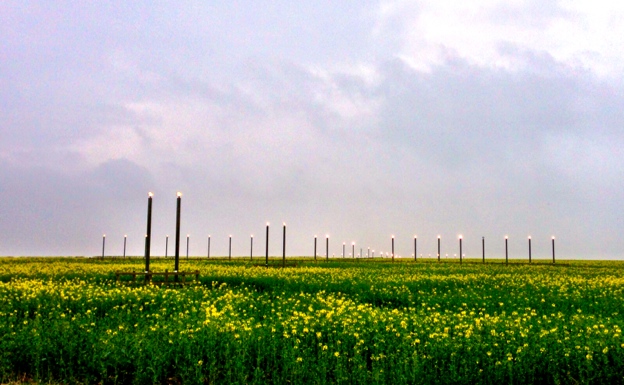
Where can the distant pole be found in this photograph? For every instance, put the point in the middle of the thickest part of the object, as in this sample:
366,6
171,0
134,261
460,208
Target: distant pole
284,245
187,245
166,245
373,254
483,248
343,249
230,249
177,240
125,239
327,248
148,235
460,249
529,249
267,245
415,247
353,249
553,248
251,249
368,253
208,254
103,244
438,248
393,248
360,253
506,251
315,248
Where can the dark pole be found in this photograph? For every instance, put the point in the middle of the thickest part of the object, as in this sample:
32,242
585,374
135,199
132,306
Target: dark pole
251,249
208,246
438,248
148,235
125,239
506,251
284,246
343,249
103,244
315,248
187,246
460,249
393,248
529,249
327,247
353,249
267,245
415,248
483,248
553,248
230,249
177,240
166,245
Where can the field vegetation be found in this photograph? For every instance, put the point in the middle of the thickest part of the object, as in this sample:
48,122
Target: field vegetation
349,322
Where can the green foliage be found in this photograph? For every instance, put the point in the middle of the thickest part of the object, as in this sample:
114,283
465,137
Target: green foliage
326,322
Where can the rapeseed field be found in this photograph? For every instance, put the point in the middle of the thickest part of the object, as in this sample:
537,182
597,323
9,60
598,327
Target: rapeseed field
66,320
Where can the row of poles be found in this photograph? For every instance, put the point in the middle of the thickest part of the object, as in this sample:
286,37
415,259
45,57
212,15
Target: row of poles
392,255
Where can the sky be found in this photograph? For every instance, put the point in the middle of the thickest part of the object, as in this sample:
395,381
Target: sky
354,119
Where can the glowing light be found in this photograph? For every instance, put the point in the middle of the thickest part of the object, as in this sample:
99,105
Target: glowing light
179,194
460,237
506,237
150,194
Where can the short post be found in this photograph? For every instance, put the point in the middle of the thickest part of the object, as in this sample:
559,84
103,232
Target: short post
284,245
125,239
230,249
103,244
506,251
393,248
315,248
438,248
460,249
267,245
529,249
553,249
148,235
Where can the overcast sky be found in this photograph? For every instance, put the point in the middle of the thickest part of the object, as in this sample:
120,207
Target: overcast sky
357,119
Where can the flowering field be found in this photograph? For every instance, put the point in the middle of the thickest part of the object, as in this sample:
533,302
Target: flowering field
66,320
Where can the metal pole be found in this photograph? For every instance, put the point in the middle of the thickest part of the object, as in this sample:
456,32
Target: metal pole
506,252
251,249
166,245
438,248
187,246
529,249
177,240
315,248
284,246
125,239
460,249
353,249
148,235
415,248
267,245
230,249
343,249
327,248
103,244
553,249
483,248
208,255
393,248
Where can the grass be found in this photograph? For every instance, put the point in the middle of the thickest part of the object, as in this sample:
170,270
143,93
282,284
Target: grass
349,322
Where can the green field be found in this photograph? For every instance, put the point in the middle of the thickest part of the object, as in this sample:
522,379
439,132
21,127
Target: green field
357,322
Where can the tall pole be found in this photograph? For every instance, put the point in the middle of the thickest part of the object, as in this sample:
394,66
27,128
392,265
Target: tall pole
460,249
343,249
506,251
438,248
103,244
529,249
177,240
230,249
415,247
353,249
327,248
187,245
553,248
483,248
393,248
148,235
166,245
208,255
251,249
284,245
315,248
267,245
125,239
